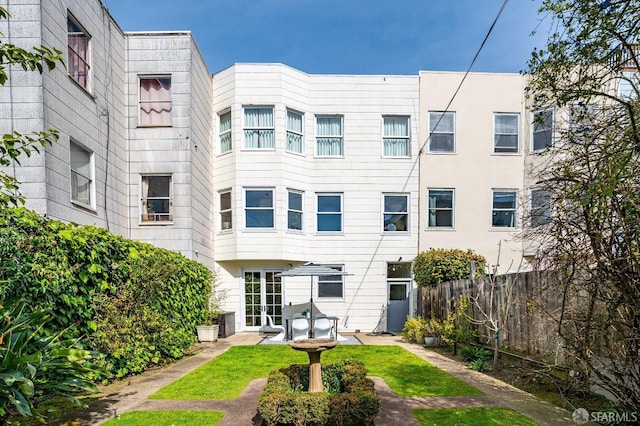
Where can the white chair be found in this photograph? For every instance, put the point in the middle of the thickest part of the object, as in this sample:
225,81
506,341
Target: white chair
281,331
299,328
322,327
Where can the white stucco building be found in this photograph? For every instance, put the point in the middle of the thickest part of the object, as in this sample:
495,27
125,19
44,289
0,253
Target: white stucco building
260,167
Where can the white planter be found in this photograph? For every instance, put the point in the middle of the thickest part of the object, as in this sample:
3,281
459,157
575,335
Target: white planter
207,333
431,341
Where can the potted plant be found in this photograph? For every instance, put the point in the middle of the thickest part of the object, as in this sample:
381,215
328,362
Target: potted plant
413,329
209,329
431,332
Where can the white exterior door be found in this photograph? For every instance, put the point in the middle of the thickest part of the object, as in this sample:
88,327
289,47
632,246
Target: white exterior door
262,296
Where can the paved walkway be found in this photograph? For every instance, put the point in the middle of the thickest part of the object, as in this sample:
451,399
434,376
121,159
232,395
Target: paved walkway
394,410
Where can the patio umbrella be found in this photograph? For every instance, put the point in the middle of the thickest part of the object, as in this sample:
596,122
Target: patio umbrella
310,270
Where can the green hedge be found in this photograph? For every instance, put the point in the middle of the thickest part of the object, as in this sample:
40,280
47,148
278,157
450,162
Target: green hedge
434,266
136,303
349,398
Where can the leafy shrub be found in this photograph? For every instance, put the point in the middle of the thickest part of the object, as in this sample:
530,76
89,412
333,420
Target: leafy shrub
36,366
458,326
136,303
284,402
478,365
439,265
472,353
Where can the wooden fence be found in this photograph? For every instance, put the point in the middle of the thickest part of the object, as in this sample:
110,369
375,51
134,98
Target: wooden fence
523,305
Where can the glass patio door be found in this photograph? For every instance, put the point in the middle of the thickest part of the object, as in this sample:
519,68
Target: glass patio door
262,296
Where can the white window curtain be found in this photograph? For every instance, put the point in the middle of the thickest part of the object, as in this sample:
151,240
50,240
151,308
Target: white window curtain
155,101
258,128
329,136
294,132
225,132
506,133
396,137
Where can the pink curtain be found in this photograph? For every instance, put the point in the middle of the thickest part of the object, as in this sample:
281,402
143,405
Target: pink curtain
155,101
77,58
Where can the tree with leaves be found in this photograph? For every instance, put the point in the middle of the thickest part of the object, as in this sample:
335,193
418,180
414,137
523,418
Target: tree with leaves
15,144
590,175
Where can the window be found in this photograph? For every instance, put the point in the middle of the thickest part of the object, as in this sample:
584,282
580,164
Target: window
542,129
156,199
294,132
441,131
82,181
440,209
78,54
259,208
399,280
226,219
505,133
155,101
258,128
294,211
396,213
224,133
504,209
395,138
329,213
331,286
329,136
540,213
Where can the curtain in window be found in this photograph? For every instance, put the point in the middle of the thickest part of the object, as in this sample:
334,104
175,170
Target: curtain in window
329,138
225,132
294,132
396,147
506,133
258,123
155,101
78,44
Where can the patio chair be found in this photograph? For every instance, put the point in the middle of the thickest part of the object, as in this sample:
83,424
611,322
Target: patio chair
322,327
299,328
281,331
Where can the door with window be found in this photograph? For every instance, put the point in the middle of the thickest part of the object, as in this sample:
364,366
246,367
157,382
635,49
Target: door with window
399,284
262,297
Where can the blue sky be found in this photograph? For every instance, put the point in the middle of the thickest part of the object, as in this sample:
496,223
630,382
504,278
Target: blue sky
347,36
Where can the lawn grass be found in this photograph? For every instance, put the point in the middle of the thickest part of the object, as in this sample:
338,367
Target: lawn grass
226,376
475,416
167,418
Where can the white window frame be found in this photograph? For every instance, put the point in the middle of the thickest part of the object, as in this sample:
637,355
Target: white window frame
295,133
340,212
436,209
322,280
147,215
434,120
291,210
496,134
391,228
396,138
536,220
339,136
88,176
225,212
226,133
86,59
167,102
260,128
271,208
551,130
495,210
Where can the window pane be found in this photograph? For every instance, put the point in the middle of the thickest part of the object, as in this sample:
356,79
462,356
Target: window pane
397,292
395,203
440,208
155,101
330,222
225,132
542,129
506,133
259,218
225,201
504,209
504,200
295,200
399,270
540,207
258,128
330,285
78,51
156,198
259,198
396,126
329,203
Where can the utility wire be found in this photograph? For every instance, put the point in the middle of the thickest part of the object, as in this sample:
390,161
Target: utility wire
464,77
